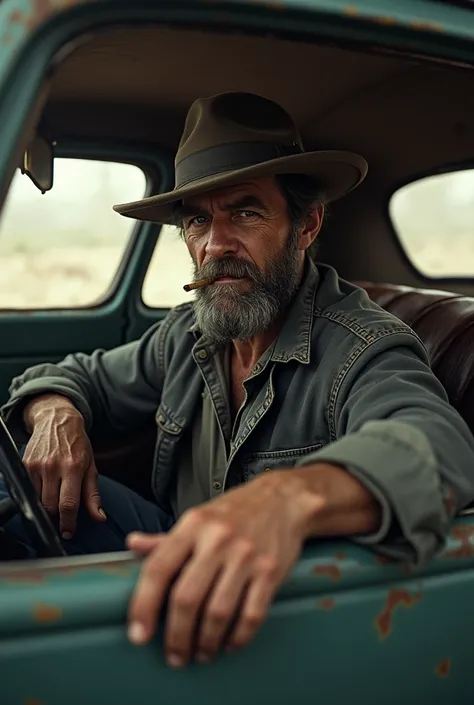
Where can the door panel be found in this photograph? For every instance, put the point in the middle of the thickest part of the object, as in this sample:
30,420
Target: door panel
397,637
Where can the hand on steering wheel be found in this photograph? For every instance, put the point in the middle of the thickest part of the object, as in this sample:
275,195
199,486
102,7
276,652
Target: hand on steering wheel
44,537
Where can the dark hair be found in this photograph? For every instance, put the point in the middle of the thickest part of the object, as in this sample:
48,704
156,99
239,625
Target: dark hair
301,194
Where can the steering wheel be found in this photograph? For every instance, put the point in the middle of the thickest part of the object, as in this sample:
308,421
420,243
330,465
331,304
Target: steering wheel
41,531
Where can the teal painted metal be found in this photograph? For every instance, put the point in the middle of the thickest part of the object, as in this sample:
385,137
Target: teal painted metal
345,623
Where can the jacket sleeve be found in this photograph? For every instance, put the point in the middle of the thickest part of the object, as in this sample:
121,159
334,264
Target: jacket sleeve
115,390
397,433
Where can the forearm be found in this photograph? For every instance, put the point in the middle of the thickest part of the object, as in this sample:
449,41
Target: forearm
49,405
330,501
114,390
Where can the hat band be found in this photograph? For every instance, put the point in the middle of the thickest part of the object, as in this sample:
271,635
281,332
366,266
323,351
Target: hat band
229,157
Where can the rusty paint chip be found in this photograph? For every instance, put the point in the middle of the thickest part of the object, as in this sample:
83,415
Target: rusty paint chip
350,10
28,577
45,614
331,571
395,598
466,549
33,701
443,668
426,25
326,603
385,20
340,556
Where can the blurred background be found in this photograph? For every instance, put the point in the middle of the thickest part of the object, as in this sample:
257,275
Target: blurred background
63,249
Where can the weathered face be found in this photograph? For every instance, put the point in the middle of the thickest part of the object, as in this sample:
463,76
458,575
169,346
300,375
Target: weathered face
243,237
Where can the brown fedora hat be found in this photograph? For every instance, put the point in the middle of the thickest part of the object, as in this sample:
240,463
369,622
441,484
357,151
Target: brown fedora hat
233,137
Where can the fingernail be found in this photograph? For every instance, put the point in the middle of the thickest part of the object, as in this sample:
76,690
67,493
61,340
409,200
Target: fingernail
175,661
102,513
201,657
66,535
137,633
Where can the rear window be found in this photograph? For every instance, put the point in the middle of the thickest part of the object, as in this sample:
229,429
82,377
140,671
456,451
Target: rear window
434,222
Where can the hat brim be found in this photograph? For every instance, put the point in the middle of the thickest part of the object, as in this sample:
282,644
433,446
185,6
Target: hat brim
336,173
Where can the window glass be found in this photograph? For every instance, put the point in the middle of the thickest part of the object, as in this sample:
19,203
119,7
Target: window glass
434,221
170,269
63,249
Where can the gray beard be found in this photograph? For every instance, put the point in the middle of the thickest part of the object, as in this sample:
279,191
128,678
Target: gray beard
224,312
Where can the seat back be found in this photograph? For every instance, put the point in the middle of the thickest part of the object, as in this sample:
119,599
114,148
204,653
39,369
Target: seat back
445,323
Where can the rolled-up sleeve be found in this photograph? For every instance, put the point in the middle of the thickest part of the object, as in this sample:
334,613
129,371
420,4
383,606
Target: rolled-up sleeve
397,433
114,390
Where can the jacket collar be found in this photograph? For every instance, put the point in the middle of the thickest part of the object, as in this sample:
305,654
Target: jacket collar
294,340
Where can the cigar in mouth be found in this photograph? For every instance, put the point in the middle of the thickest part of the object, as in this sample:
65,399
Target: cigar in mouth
198,284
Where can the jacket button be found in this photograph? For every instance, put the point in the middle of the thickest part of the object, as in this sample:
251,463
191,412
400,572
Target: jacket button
202,354
217,485
161,418
267,470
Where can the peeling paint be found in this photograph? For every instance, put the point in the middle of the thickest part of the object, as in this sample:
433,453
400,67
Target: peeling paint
395,598
40,11
326,603
329,569
424,25
22,577
443,669
350,10
464,534
385,20
45,614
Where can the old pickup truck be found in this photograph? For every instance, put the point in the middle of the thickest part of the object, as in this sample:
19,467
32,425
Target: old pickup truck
93,94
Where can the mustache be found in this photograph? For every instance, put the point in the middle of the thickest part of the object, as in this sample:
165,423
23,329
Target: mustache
229,267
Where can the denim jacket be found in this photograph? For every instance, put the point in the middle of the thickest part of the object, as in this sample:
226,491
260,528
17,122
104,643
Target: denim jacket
346,383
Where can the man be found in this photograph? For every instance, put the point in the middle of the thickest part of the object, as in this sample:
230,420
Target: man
278,366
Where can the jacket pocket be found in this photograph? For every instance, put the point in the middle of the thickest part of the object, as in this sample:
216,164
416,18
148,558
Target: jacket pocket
169,432
257,463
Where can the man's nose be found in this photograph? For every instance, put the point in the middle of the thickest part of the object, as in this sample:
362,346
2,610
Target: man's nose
220,241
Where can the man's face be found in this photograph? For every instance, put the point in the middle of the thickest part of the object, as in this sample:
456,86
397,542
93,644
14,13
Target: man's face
243,237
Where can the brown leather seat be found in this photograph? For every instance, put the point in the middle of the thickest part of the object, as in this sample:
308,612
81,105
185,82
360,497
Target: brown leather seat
445,323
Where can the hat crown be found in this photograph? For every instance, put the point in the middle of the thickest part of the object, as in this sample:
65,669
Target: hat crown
230,118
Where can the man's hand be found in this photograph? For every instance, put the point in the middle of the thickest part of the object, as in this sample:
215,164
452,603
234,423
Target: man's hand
232,553
228,557
60,460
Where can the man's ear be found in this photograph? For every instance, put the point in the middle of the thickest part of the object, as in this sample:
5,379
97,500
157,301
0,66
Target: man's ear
312,226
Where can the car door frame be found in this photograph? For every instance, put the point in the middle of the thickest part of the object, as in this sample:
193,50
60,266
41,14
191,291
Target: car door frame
31,336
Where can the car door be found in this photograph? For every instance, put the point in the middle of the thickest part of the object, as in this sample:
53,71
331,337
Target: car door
71,269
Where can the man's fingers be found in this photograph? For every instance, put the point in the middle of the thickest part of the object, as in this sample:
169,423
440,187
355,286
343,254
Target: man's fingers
224,601
69,501
91,495
50,493
158,571
255,607
185,604
144,543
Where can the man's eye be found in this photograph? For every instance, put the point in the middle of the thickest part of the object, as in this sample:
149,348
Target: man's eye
197,220
248,214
